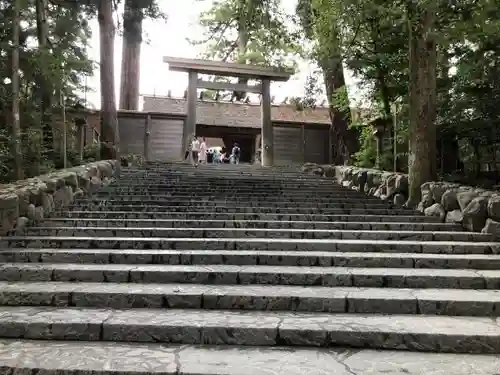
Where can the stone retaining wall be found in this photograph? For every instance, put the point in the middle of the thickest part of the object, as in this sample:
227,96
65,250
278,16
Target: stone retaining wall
34,198
476,209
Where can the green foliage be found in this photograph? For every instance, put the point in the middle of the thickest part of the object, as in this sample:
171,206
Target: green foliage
252,31
62,67
58,70
372,40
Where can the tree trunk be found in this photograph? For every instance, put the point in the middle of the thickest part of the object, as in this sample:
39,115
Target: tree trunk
242,44
16,126
49,145
131,55
343,139
422,163
109,119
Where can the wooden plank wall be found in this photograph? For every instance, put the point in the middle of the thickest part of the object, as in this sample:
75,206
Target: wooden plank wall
157,136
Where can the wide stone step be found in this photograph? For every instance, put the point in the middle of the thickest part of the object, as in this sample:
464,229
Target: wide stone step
188,192
263,224
275,275
227,174
200,215
254,328
231,198
450,302
105,358
228,178
210,232
224,202
91,242
243,185
248,209
253,257
225,178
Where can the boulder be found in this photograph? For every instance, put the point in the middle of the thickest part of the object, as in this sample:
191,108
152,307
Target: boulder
35,198
402,184
328,171
427,198
399,199
492,227
464,198
369,179
21,223
318,171
449,200
362,178
494,208
381,190
475,214
455,216
390,185
306,168
31,212
435,210
437,192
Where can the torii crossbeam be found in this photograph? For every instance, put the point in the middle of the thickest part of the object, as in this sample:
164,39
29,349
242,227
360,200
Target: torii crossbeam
264,74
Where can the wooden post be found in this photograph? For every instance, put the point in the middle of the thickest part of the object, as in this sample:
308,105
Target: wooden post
147,133
258,155
190,123
80,129
303,145
267,125
395,135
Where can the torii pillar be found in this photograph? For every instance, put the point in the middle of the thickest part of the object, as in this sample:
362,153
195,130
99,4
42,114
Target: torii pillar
265,74
267,155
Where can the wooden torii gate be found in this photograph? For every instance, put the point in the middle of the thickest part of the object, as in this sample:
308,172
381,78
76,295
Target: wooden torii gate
195,66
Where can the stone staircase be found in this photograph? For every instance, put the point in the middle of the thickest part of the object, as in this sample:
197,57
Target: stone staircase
239,270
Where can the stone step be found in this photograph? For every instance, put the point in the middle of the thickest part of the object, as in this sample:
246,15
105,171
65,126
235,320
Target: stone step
196,175
230,192
226,175
229,178
218,223
245,209
243,190
233,203
236,197
198,215
210,232
198,185
106,358
446,302
254,328
91,242
253,257
232,275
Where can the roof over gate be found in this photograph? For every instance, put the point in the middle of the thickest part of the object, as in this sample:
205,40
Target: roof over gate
236,114
210,67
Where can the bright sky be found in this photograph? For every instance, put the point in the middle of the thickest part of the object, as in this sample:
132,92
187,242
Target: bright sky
169,39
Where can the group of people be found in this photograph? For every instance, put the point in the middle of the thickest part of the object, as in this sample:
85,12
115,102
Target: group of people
198,150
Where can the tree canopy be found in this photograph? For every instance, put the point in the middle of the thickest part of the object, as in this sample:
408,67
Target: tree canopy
429,67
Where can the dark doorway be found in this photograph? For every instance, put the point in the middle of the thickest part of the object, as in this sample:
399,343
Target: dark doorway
246,143
245,137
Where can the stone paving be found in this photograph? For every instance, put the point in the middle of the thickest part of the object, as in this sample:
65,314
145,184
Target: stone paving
239,270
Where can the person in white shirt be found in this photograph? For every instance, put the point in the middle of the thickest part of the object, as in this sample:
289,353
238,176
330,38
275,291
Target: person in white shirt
202,154
195,150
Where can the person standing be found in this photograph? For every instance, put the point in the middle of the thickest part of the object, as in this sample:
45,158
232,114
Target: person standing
235,154
188,151
195,150
216,157
202,154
